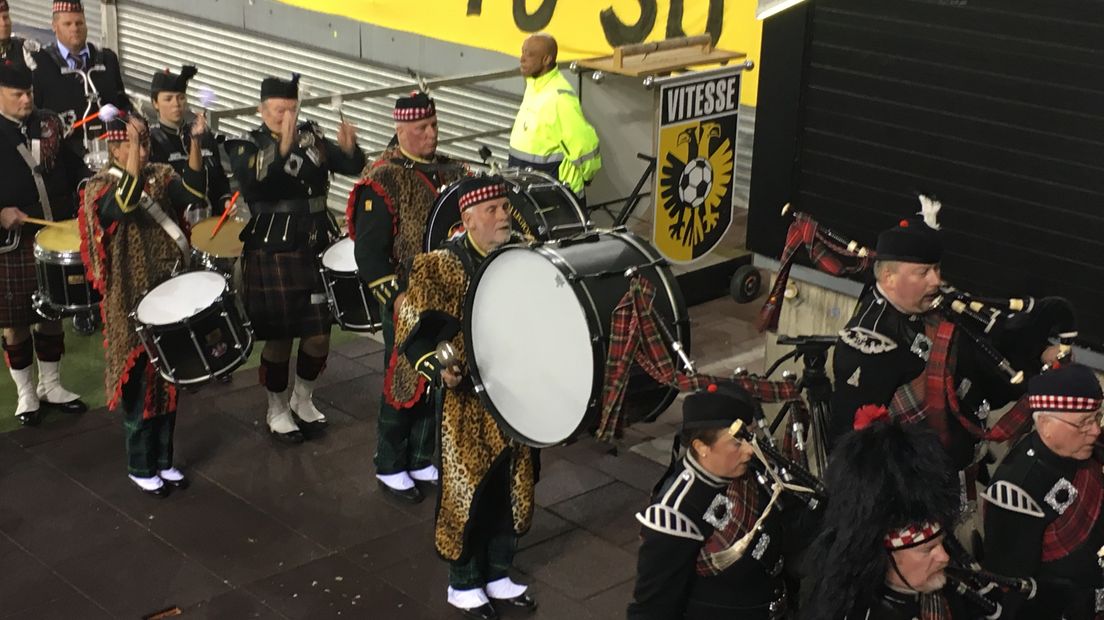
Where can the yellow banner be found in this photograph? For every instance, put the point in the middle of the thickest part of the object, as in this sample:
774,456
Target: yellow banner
583,28
696,162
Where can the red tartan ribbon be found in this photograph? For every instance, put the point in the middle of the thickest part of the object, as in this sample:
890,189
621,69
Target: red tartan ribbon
931,396
635,336
1071,529
826,255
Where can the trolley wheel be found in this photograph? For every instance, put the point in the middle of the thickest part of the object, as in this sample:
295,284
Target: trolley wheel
746,284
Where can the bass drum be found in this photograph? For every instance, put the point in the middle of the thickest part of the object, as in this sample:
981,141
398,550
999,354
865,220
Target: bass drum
543,209
545,388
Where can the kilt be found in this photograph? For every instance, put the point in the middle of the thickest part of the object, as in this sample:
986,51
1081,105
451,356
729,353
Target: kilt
17,272
284,295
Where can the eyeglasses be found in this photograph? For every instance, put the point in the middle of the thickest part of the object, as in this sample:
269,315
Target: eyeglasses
1094,421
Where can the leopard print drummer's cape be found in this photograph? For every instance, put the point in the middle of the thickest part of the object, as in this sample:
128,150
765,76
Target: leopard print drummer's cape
471,441
409,195
124,261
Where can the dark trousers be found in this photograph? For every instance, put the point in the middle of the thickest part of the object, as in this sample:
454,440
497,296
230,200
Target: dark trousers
491,542
149,443
406,439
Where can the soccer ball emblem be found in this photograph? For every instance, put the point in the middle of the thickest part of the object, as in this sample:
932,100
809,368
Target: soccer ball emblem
696,182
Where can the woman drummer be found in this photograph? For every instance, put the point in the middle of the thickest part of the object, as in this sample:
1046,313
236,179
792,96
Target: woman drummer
131,241
707,550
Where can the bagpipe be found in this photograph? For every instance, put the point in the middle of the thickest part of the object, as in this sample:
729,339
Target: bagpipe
1009,336
976,586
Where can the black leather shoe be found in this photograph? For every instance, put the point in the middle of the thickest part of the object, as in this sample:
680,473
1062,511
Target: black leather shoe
483,612
312,428
30,418
521,601
294,437
160,492
410,496
73,406
181,484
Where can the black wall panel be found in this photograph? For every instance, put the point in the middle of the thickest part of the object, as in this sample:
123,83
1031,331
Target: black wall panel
996,107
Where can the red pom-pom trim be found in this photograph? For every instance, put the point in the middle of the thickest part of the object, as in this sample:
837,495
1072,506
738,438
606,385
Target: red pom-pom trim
903,224
712,388
869,414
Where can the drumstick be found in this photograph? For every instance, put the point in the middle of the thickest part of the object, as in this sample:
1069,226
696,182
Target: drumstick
225,214
40,222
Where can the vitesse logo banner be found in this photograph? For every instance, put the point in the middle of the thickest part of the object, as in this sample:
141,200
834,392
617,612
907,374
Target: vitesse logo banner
695,159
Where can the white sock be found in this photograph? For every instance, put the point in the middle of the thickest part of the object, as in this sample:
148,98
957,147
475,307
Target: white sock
467,599
302,401
147,484
400,481
24,385
428,473
505,588
279,414
171,474
49,384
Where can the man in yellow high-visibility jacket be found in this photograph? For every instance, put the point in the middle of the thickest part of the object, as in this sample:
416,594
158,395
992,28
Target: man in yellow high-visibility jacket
550,132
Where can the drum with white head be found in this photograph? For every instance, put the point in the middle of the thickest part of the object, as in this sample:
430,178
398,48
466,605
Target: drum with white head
353,306
537,328
192,328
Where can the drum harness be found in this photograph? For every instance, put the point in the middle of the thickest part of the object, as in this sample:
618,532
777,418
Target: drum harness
31,157
150,206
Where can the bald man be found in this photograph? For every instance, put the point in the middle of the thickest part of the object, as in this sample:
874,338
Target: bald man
550,132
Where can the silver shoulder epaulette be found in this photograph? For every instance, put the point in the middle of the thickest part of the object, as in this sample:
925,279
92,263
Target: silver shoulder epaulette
667,520
1012,497
867,340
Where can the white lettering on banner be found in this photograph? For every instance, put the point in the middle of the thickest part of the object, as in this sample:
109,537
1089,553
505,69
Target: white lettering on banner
718,96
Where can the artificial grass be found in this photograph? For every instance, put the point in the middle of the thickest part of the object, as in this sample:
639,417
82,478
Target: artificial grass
82,371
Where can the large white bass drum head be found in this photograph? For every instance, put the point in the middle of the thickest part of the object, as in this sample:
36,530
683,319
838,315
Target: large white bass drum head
533,347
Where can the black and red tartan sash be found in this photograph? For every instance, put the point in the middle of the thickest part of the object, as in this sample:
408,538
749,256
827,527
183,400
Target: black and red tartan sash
1073,527
737,516
931,396
826,255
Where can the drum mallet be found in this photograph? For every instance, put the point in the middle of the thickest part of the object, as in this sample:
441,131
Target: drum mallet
446,355
225,214
40,222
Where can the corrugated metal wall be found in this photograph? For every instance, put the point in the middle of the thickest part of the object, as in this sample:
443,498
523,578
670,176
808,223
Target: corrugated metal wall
994,106
37,14
233,62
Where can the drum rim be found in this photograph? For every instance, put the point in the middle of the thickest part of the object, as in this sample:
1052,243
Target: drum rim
473,369
507,175
674,294
226,290
54,257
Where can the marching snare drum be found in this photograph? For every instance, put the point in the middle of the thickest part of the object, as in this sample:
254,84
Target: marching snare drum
192,328
353,306
218,254
63,289
543,209
561,295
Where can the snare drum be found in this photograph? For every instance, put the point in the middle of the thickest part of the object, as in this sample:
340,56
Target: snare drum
63,289
218,254
543,209
353,306
561,295
192,328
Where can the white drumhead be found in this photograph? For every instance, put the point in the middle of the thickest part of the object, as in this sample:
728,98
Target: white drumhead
180,297
532,346
340,257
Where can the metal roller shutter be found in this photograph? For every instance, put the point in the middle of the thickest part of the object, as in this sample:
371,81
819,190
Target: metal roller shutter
994,106
232,63
38,14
